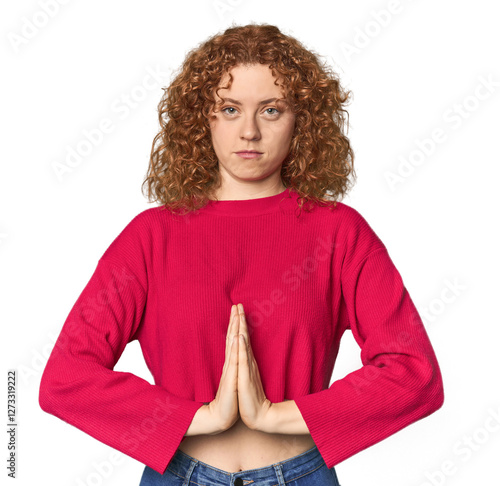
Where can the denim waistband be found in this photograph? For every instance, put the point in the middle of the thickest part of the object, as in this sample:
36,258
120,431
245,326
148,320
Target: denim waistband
279,473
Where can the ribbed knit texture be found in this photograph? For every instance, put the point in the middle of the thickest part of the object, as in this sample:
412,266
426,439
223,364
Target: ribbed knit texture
169,281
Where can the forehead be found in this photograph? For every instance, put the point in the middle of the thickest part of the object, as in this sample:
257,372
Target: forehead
252,80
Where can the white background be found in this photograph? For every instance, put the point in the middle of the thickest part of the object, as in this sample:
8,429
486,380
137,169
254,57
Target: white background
416,70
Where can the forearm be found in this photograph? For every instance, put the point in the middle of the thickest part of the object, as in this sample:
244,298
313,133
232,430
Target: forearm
284,418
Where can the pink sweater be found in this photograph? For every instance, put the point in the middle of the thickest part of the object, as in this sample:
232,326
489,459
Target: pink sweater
169,281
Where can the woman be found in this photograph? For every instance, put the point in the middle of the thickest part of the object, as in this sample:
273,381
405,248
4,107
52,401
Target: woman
240,286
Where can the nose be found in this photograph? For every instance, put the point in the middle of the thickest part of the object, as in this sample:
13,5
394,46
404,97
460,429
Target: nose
250,129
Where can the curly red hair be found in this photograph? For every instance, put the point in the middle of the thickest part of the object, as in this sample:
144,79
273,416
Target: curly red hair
183,170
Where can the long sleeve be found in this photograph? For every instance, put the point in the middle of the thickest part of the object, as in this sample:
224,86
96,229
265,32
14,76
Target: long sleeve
400,381
79,386
169,283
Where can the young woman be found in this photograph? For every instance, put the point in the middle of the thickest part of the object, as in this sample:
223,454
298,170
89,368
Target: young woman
239,286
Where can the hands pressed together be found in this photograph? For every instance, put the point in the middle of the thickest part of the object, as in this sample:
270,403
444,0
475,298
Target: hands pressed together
240,392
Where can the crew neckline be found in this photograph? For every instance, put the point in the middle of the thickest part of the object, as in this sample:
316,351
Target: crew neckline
252,207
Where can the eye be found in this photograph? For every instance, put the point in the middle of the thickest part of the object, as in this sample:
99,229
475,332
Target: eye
228,108
277,112
274,114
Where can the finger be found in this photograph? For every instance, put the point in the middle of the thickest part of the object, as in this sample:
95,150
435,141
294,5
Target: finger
237,321
243,322
232,357
231,315
243,366
229,379
230,330
233,363
229,337
244,331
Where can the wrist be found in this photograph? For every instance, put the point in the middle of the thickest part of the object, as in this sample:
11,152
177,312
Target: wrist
268,419
283,418
203,422
217,426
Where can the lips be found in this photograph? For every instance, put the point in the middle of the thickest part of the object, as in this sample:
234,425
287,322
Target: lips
249,154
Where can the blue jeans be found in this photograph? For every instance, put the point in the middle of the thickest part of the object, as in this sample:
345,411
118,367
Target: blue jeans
306,469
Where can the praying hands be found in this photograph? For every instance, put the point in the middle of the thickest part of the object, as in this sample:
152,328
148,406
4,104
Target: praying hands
240,392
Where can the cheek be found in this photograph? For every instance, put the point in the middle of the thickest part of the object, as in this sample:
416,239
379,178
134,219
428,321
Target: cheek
217,136
286,129
291,128
286,136
221,133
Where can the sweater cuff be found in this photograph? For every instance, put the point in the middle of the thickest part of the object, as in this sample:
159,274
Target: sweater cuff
169,423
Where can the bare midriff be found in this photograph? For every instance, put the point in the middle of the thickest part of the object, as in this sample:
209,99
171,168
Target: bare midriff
240,448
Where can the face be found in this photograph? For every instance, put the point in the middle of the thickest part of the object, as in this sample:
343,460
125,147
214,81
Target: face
251,120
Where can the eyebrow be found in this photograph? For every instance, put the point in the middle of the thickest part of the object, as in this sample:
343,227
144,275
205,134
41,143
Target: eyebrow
263,102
